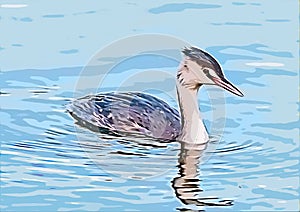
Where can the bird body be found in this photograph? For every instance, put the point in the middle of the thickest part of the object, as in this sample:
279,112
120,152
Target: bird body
134,112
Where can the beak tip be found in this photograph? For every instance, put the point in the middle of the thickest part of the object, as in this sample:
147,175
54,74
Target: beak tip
241,94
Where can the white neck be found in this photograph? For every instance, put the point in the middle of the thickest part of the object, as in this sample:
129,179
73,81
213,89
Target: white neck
192,127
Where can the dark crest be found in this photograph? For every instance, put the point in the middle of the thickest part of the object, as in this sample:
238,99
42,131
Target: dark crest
201,56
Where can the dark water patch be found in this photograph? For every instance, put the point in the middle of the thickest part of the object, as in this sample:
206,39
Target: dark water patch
108,194
253,83
61,101
205,108
126,153
255,4
144,61
239,3
39,91
179,7
56,132
64,96
27,118
111,59
167,53
260,72
263,204
233,100
18,116
224,57
249,174
139,190
237,24
3,93
274,194
278,20
263,109
231,123
71,156
255,48
86,12
16,45
28,75
24,147
189,210
247,113
282,126
69,51
168,85
26,19
90,12
243,77
234,147
271,137
53,16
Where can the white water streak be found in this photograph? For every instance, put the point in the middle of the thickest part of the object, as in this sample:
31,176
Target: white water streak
13,6
266,64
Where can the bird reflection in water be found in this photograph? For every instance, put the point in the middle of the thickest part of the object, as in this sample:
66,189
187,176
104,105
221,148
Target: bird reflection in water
187,184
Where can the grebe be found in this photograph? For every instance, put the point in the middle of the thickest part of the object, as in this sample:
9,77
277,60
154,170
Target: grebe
134,112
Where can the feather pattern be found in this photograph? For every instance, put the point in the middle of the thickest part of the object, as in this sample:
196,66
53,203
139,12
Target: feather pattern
131,112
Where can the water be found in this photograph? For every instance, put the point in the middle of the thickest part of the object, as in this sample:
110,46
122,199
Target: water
48,163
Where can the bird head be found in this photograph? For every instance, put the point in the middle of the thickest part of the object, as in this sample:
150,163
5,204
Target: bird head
200,68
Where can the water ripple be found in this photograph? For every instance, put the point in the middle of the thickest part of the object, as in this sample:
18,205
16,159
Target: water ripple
50,163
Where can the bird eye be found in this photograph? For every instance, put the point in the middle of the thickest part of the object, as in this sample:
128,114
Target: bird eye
206,71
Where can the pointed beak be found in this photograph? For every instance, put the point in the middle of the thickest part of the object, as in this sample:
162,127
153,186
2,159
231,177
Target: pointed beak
224,83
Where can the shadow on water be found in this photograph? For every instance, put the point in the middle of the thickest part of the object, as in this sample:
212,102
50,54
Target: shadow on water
139,157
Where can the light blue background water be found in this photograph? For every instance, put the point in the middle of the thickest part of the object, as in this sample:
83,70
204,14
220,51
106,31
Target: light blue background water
43,48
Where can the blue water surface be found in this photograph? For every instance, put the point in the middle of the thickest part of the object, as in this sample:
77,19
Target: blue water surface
48,163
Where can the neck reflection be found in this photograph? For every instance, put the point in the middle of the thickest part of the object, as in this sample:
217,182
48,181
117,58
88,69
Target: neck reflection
187,184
